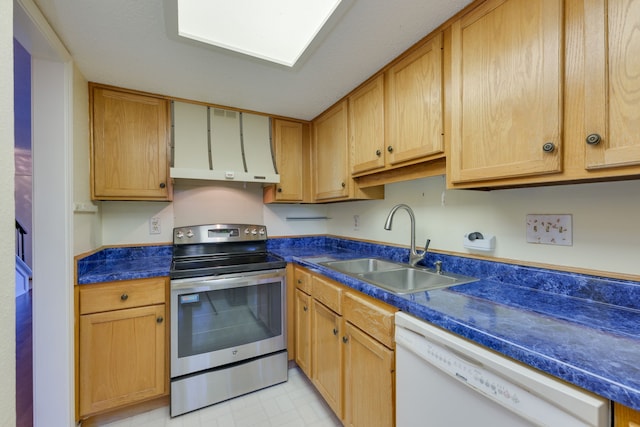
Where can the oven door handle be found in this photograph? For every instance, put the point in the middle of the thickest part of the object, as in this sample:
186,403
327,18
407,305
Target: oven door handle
196,285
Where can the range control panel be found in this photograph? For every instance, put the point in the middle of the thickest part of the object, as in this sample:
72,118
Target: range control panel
217,233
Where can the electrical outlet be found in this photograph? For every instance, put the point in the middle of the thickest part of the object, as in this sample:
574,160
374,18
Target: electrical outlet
550,229
154,225
356,222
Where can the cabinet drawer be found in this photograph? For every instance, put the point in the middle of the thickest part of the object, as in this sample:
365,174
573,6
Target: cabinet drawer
371,316
119,295
302,280
328,293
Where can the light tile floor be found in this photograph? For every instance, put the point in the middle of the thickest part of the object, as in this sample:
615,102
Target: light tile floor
295,403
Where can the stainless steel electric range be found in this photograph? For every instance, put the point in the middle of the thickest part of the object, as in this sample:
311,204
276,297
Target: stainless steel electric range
228,308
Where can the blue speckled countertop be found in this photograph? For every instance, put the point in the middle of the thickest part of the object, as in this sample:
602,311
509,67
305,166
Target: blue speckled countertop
124,263
582,329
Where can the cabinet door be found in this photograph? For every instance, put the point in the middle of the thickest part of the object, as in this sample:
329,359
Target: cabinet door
130,137
612,83
326,360
506,90
330,154
366,127
122,357
288,138
303,331
369,382
415,105
625,416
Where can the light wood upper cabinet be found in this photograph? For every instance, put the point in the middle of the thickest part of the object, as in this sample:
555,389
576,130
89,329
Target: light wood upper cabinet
507,61
129,145
332,179
612,80
414,111
330,160
366,127
290,139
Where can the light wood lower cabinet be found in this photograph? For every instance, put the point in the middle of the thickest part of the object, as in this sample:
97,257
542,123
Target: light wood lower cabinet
303,331
625,417
326,350
351,347
122,353
369,379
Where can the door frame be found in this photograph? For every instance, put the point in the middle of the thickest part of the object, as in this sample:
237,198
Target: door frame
52,95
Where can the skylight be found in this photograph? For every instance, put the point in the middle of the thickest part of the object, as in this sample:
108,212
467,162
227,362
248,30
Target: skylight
274,30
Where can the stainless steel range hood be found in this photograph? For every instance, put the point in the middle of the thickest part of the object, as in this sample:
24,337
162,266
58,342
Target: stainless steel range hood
211,143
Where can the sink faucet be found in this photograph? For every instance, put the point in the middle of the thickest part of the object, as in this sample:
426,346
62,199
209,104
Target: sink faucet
414,256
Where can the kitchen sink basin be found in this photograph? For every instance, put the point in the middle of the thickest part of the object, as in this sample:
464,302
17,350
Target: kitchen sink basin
408,280
362,265
396,277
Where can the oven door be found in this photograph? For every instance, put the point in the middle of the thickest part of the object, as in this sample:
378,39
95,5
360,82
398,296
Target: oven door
220,320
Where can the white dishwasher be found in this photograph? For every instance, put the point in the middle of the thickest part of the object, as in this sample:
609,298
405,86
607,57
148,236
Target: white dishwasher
443,380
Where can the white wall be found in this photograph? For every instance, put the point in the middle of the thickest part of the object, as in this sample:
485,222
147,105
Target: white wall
193,203
87,225
7,256
606,221
604,215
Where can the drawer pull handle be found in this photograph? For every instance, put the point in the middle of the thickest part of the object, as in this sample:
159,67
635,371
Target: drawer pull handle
345,340
305,308
159,319
124,297
335,331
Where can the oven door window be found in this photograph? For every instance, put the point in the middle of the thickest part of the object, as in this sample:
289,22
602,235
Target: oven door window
218,319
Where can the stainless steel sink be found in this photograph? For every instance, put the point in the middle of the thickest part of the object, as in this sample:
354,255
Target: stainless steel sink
408,280
396,277
362,265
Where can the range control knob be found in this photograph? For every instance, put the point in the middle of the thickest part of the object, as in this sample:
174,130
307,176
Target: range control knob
254,231
263,232
247,231
189,234
180,234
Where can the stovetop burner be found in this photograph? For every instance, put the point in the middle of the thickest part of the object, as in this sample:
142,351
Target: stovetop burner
215,249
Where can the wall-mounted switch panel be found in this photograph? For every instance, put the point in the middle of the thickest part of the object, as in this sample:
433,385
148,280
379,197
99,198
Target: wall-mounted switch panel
154,225
550,229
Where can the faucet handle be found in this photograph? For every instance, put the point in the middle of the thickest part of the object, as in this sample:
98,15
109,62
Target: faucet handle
438,265
426,245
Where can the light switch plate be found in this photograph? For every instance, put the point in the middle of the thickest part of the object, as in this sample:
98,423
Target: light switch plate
550,229
154,225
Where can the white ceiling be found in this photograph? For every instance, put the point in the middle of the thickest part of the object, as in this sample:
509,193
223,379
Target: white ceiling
126,43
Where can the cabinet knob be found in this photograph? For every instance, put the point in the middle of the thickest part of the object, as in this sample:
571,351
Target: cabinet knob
345,340
159,319
378,153
162,185
549,147
343,184
299,281
594,139
279,190
305,308
124,297
335,331
390,149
